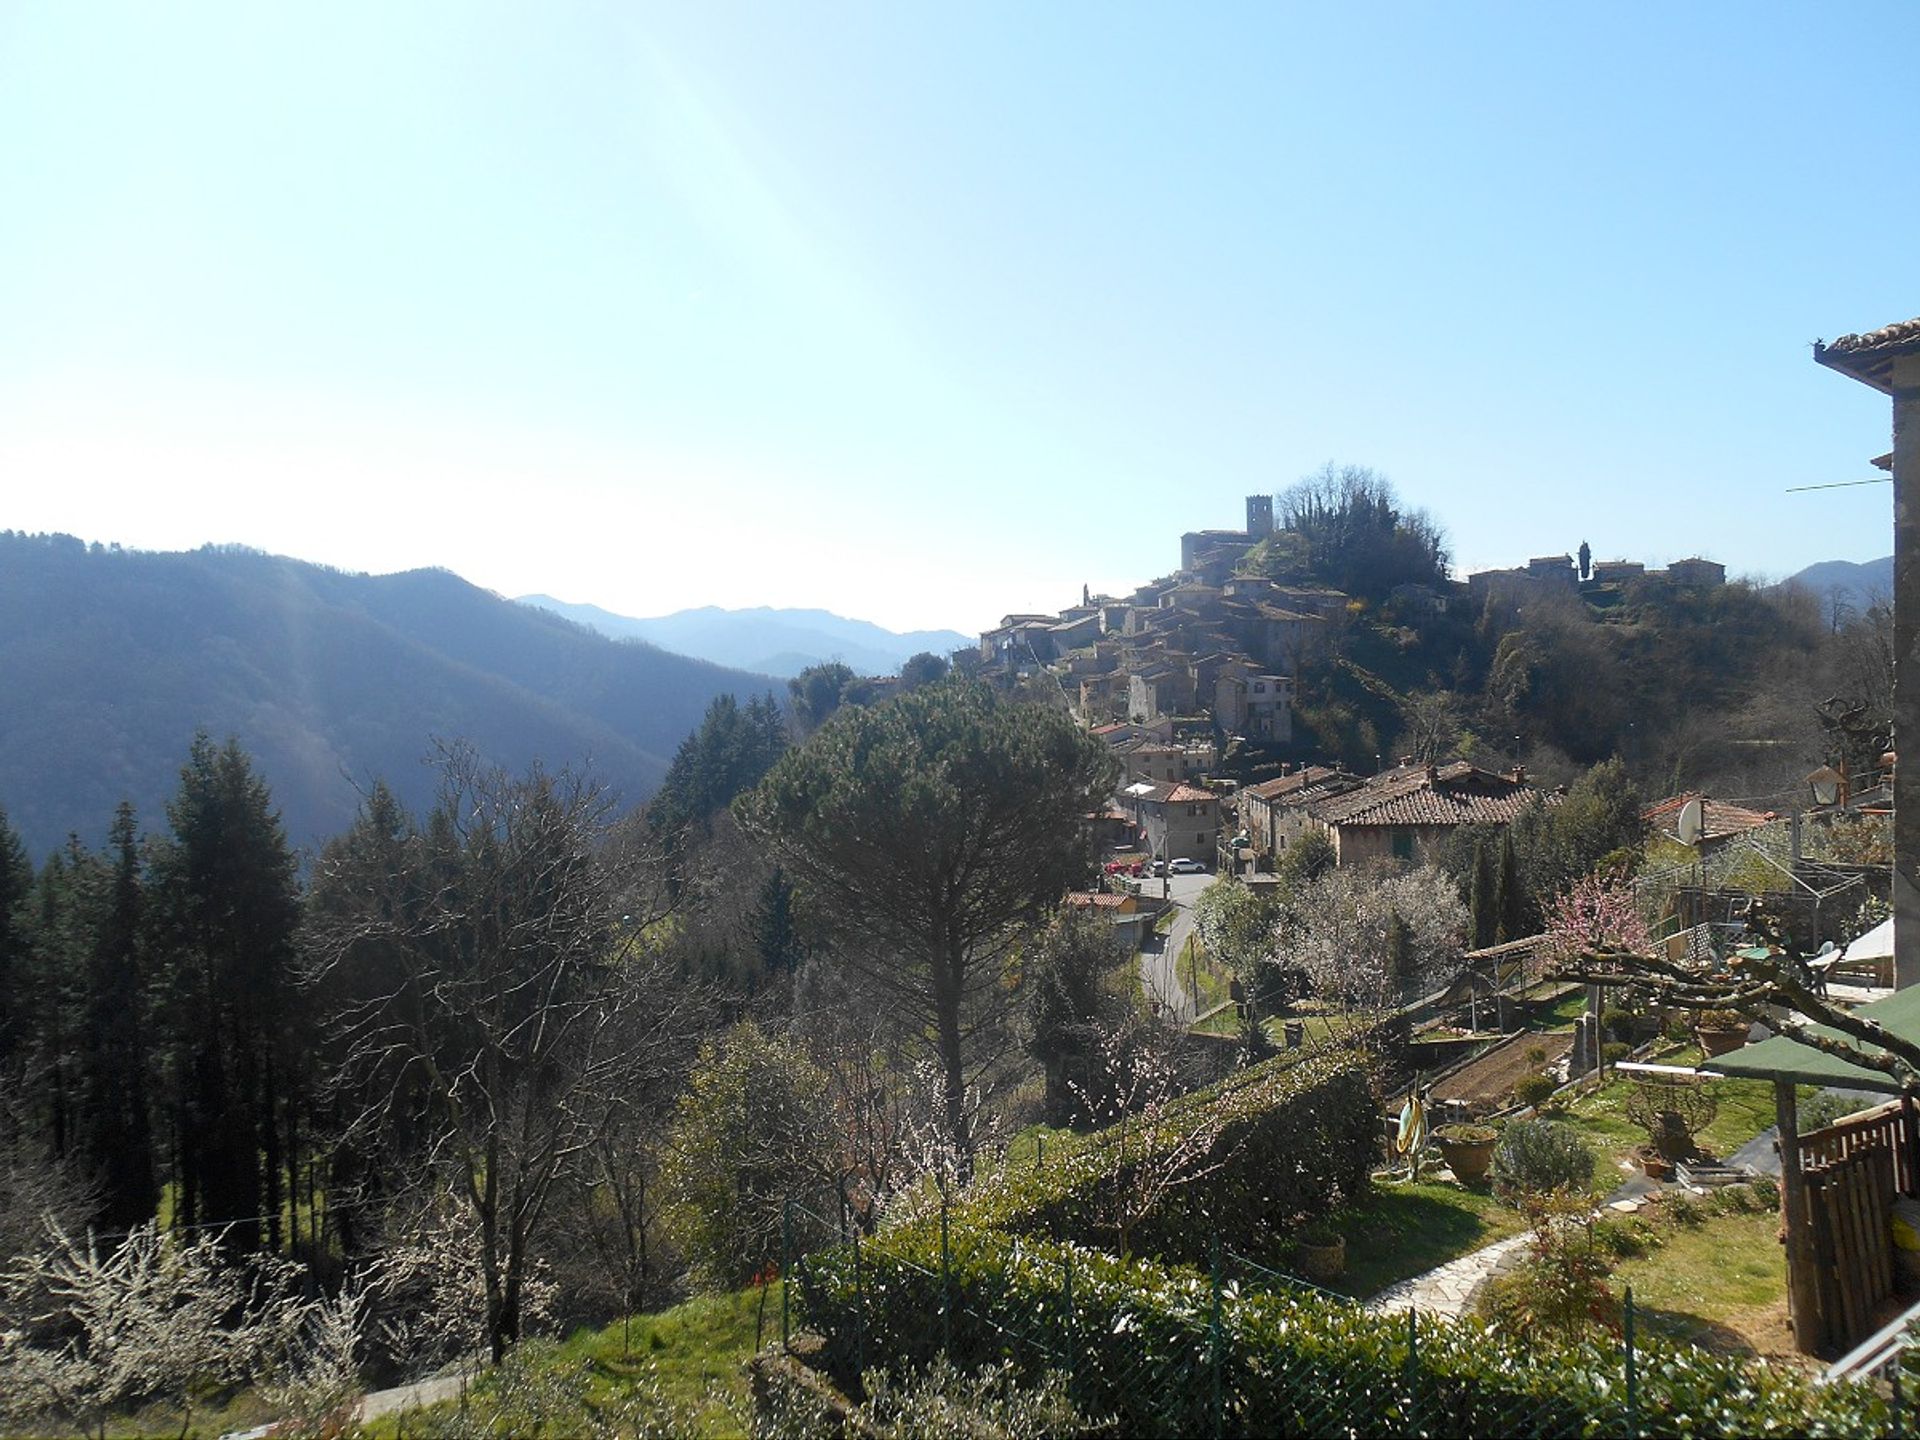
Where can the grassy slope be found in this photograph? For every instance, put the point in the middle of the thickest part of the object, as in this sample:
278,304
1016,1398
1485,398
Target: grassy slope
1717,1284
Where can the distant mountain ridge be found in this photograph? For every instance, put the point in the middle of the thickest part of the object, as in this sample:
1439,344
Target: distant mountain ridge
114,658
1858,583
766,639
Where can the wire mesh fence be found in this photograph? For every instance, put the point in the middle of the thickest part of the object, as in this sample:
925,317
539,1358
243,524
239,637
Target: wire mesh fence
1239,1348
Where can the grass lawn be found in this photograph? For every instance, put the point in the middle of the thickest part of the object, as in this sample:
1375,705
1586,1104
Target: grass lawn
1193,968
1405,1230
1721,1284
1565,1011
1746,1108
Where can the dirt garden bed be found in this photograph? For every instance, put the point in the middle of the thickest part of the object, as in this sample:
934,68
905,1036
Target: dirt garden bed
1487,1082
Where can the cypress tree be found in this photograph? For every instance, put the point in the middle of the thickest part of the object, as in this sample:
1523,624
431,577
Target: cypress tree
16,889
1482,898
115,1065
51,993
1510,900
227,910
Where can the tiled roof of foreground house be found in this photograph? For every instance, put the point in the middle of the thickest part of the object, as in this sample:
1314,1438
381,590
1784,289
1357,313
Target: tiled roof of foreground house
1886,336
1189,795
1457,794
1869,357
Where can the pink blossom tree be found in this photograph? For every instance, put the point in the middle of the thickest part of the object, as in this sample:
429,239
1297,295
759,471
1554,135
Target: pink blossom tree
1597,912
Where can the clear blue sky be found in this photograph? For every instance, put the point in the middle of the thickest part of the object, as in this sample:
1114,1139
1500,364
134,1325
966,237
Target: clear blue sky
927,313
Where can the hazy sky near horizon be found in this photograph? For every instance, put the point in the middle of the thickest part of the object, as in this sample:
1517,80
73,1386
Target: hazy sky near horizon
924,313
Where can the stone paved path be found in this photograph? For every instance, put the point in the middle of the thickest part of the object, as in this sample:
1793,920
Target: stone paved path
1446,1292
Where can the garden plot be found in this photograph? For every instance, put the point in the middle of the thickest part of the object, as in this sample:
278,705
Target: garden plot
1486,1083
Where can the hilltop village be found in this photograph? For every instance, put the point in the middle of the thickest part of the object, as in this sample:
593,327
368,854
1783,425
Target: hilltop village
1191,680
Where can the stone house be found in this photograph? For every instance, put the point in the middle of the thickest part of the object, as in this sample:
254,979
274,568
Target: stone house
1161,762
1405,813
1274,813
1888,360
1178,820
1256,705
1166,689
1695,571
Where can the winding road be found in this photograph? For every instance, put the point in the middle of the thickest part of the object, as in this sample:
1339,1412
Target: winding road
1160,975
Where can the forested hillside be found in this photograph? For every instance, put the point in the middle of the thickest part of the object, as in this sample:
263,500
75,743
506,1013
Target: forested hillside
1694,688
1731,687
113,659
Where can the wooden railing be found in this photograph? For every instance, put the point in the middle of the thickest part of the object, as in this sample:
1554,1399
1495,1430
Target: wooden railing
1847,1202
1890,1126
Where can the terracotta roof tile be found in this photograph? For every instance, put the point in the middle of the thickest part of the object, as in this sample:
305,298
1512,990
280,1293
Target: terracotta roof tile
1905,332
1189,795
1457,794
1097,899
1718,818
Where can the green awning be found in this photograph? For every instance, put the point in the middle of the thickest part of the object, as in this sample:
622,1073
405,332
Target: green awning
1778,1058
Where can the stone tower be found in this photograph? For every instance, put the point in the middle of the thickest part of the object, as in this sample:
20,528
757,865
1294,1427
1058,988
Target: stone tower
1259,516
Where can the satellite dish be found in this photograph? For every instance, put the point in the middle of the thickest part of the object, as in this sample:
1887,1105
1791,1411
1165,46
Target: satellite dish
1693,822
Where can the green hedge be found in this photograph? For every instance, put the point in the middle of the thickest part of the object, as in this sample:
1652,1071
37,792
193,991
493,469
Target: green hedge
1299,1135
1137,1342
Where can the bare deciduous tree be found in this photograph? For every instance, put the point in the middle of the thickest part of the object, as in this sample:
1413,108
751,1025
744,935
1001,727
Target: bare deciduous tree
491,990
1154,1147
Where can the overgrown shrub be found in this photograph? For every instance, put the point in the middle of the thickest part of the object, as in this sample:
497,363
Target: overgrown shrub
1614,1051
1622,1236
1679,1208
1560,1288
1535,1090
1537,1156
1295,1136
1140,1340
749,1128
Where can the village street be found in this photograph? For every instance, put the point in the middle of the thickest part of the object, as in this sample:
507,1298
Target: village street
1160,955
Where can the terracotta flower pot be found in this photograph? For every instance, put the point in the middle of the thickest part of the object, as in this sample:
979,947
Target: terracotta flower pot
1655,1165
1718,1041
1468,1159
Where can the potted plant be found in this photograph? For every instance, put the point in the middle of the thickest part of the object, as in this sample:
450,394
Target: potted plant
1672,1112
1719,1031
1467,1149
1321,1252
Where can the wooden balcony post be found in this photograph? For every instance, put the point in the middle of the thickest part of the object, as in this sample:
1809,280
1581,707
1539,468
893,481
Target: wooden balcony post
1803,1290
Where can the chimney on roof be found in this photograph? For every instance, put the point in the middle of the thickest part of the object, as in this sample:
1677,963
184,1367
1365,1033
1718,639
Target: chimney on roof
1405,761
1518,774
1433,772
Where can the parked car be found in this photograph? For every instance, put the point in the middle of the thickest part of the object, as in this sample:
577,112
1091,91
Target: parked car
1158,867
1184,866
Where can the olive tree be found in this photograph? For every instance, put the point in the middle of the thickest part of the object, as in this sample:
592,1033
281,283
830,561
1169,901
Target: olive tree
929,832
